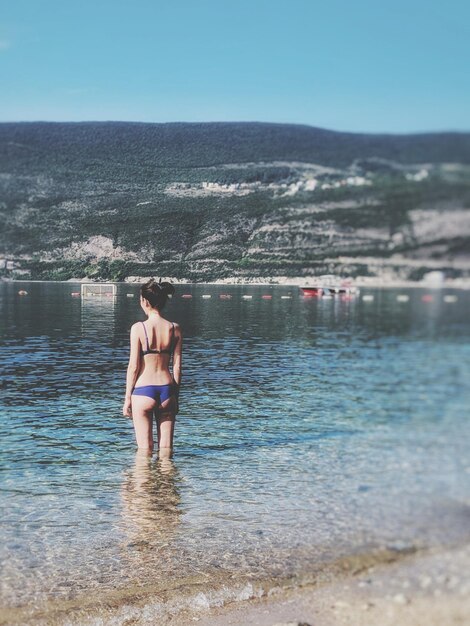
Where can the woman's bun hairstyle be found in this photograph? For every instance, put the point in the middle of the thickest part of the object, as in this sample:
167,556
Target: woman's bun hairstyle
157,292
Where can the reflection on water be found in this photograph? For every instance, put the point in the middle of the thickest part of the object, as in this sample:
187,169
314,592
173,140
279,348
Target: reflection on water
98,317
307,428
151,506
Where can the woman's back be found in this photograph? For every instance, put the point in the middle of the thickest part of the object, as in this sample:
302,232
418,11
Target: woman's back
157,341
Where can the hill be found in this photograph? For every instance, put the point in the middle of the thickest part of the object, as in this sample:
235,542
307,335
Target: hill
229,200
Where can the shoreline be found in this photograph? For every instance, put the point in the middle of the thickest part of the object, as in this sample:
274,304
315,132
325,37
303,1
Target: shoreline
359,587
358,283
430,589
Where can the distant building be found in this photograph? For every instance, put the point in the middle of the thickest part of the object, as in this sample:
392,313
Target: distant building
434,279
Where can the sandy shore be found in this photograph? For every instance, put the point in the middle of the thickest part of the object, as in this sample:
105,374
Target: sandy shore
386,588
421,590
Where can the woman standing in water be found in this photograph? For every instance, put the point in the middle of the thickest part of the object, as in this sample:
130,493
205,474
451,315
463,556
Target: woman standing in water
151,388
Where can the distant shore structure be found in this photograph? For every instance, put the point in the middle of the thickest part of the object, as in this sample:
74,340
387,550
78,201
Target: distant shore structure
327,286
93,290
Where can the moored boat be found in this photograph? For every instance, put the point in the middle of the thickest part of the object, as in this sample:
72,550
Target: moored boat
328,286
312,291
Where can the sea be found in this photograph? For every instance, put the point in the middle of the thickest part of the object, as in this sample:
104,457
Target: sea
311,431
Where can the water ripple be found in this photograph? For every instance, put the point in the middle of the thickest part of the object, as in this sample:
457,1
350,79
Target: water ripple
307,427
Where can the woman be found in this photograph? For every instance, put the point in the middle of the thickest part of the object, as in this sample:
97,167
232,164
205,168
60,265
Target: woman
151,387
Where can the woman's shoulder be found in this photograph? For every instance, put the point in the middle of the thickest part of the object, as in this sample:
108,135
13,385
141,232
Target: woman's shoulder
136,331
136,326
175,327
163,322
169,323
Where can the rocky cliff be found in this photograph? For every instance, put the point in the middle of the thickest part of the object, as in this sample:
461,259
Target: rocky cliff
216,201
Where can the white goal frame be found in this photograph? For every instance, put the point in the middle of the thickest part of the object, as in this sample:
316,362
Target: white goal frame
98,290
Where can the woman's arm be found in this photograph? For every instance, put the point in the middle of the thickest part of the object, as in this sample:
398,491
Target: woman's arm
177,355
133,370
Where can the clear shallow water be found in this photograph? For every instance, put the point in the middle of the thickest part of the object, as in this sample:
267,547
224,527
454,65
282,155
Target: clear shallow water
308,429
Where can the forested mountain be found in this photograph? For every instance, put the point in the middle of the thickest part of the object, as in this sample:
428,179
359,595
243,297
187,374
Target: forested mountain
229,200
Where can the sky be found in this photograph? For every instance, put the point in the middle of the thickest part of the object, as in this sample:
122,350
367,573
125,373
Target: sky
362,66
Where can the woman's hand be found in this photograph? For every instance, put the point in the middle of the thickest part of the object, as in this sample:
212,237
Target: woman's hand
127,408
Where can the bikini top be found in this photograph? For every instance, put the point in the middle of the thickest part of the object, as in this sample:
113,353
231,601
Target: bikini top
168,350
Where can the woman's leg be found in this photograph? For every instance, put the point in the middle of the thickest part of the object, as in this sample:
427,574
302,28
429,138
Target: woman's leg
142,416
165,415
165,429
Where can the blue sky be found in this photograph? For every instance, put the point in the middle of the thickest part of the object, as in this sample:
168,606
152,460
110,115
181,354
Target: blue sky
369,65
